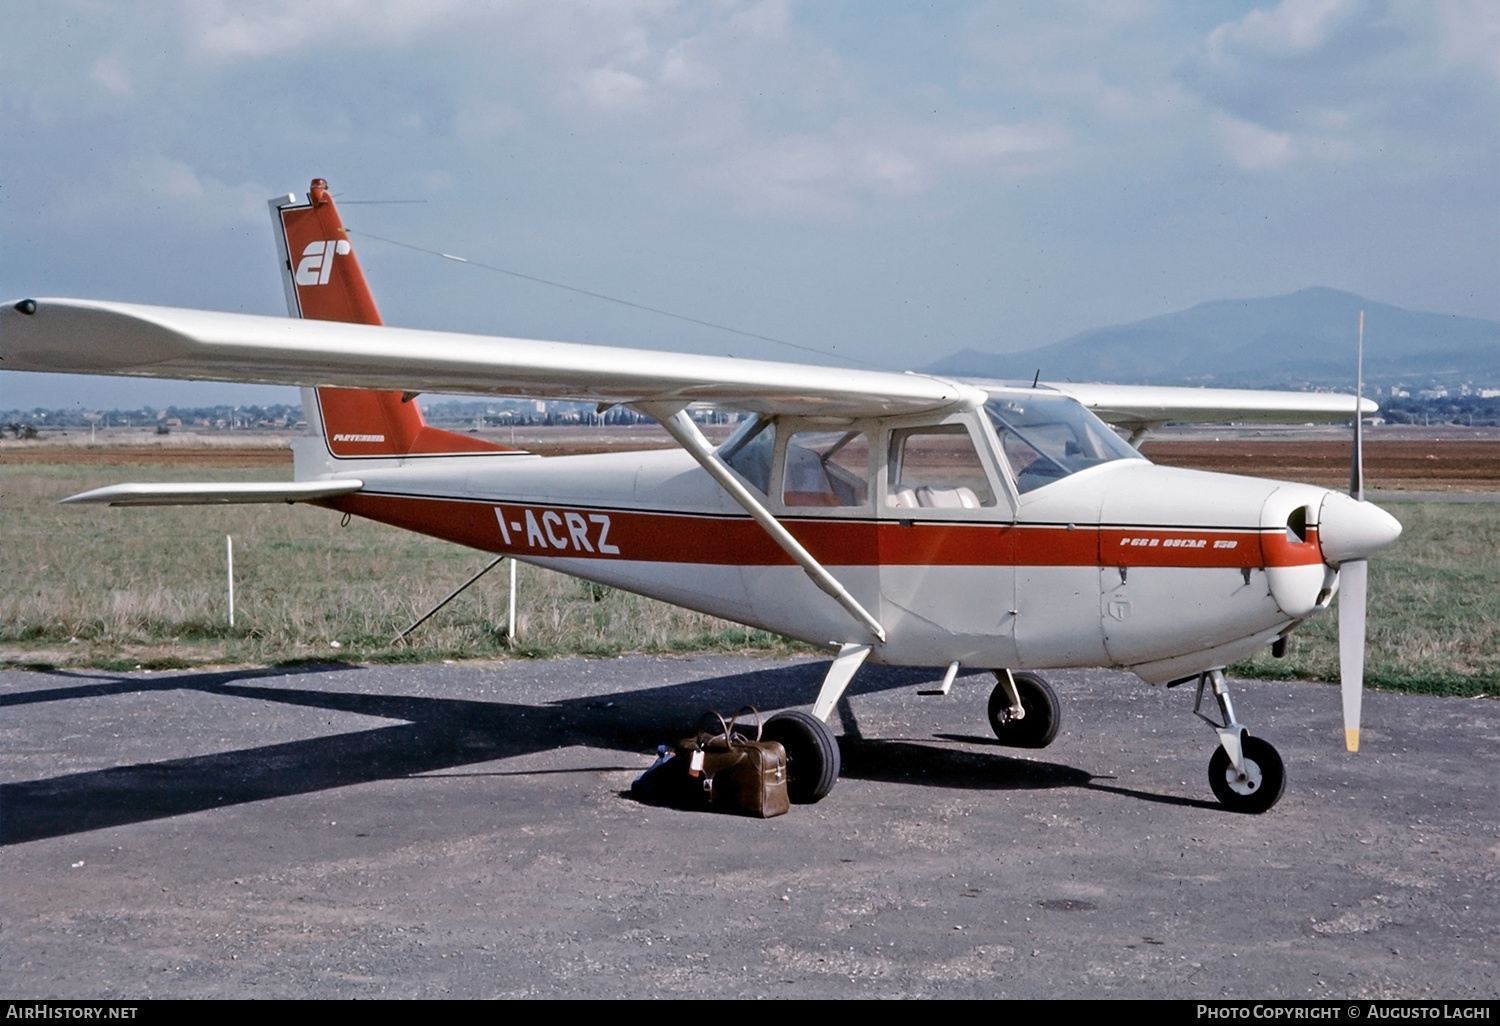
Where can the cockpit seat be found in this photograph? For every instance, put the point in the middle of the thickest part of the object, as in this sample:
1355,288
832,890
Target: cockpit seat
929,497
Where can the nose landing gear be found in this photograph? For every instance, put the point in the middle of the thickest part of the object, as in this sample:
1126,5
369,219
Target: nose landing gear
1246,774
1256,785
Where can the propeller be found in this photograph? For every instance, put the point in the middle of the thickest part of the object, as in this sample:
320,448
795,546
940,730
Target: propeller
1354,575
1353,587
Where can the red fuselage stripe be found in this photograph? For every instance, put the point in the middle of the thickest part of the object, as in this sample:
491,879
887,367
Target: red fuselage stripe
575,532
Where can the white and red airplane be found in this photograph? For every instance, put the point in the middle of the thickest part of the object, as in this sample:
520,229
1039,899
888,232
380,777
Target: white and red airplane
899,518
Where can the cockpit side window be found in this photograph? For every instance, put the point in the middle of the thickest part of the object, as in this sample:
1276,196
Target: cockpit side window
1047,437
936,468
749,452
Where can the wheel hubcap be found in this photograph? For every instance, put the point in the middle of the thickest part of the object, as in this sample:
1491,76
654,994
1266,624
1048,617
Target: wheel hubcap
1245,783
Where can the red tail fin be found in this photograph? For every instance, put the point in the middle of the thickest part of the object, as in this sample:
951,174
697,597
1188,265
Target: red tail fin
324,282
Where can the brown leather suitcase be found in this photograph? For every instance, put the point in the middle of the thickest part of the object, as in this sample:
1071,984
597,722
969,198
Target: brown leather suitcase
738,773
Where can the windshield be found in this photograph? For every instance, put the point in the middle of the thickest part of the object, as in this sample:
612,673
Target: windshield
1048,437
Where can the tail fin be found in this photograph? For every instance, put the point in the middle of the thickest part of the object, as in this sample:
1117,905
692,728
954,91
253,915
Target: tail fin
324,282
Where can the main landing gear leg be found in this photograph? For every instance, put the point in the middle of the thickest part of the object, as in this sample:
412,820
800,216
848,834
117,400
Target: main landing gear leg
1245,773
812,752
845,665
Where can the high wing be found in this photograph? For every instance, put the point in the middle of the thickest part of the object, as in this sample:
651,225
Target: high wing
1142,408
89,337
86,337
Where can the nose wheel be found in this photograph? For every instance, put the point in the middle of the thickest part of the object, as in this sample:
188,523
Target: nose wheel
1256,785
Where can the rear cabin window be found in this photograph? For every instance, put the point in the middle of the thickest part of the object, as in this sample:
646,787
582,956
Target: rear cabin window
827,468
936,468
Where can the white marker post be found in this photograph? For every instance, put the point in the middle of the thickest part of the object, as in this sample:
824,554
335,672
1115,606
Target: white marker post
229,552
510,616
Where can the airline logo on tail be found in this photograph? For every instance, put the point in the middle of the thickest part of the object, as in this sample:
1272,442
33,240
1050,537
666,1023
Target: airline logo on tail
316,267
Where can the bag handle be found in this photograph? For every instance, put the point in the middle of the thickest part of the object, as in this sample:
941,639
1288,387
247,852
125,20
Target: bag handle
727,730
705,738
735,719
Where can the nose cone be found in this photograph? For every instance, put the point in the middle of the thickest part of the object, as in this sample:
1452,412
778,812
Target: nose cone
1353,530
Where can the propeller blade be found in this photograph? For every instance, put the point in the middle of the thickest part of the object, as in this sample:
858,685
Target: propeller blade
1354,575
1357,459
1353,586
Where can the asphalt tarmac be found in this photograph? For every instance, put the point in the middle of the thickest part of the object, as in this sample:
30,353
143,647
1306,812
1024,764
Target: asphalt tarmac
461,831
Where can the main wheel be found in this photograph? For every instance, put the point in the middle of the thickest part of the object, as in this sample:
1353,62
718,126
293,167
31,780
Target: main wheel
1258,788
1038,727
812,754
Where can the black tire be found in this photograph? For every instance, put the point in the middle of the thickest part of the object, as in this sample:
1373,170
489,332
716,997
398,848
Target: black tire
812,754
1038,728
1265,777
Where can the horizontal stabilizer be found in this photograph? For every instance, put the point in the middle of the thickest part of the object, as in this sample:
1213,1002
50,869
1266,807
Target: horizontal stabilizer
214,493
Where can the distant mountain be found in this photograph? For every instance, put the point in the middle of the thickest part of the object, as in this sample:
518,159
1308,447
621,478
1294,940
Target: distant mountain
1304,339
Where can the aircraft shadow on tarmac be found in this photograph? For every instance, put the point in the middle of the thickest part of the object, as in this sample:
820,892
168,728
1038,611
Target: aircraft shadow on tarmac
443,733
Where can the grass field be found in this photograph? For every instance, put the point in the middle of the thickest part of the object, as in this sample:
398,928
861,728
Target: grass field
120,588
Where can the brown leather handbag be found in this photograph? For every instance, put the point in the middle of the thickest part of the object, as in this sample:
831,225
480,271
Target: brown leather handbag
737,773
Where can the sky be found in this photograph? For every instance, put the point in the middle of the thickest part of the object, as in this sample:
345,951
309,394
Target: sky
885,183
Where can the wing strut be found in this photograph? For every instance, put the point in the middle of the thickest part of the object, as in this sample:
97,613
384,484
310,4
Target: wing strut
681,427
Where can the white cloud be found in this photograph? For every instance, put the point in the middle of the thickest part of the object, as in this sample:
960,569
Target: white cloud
112,74
1471,33
831,173
682,69
192,195
1316,81
767,19
1253,147
983,145
226,29
173,179
1090,56
157,186
610,89
1293,27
